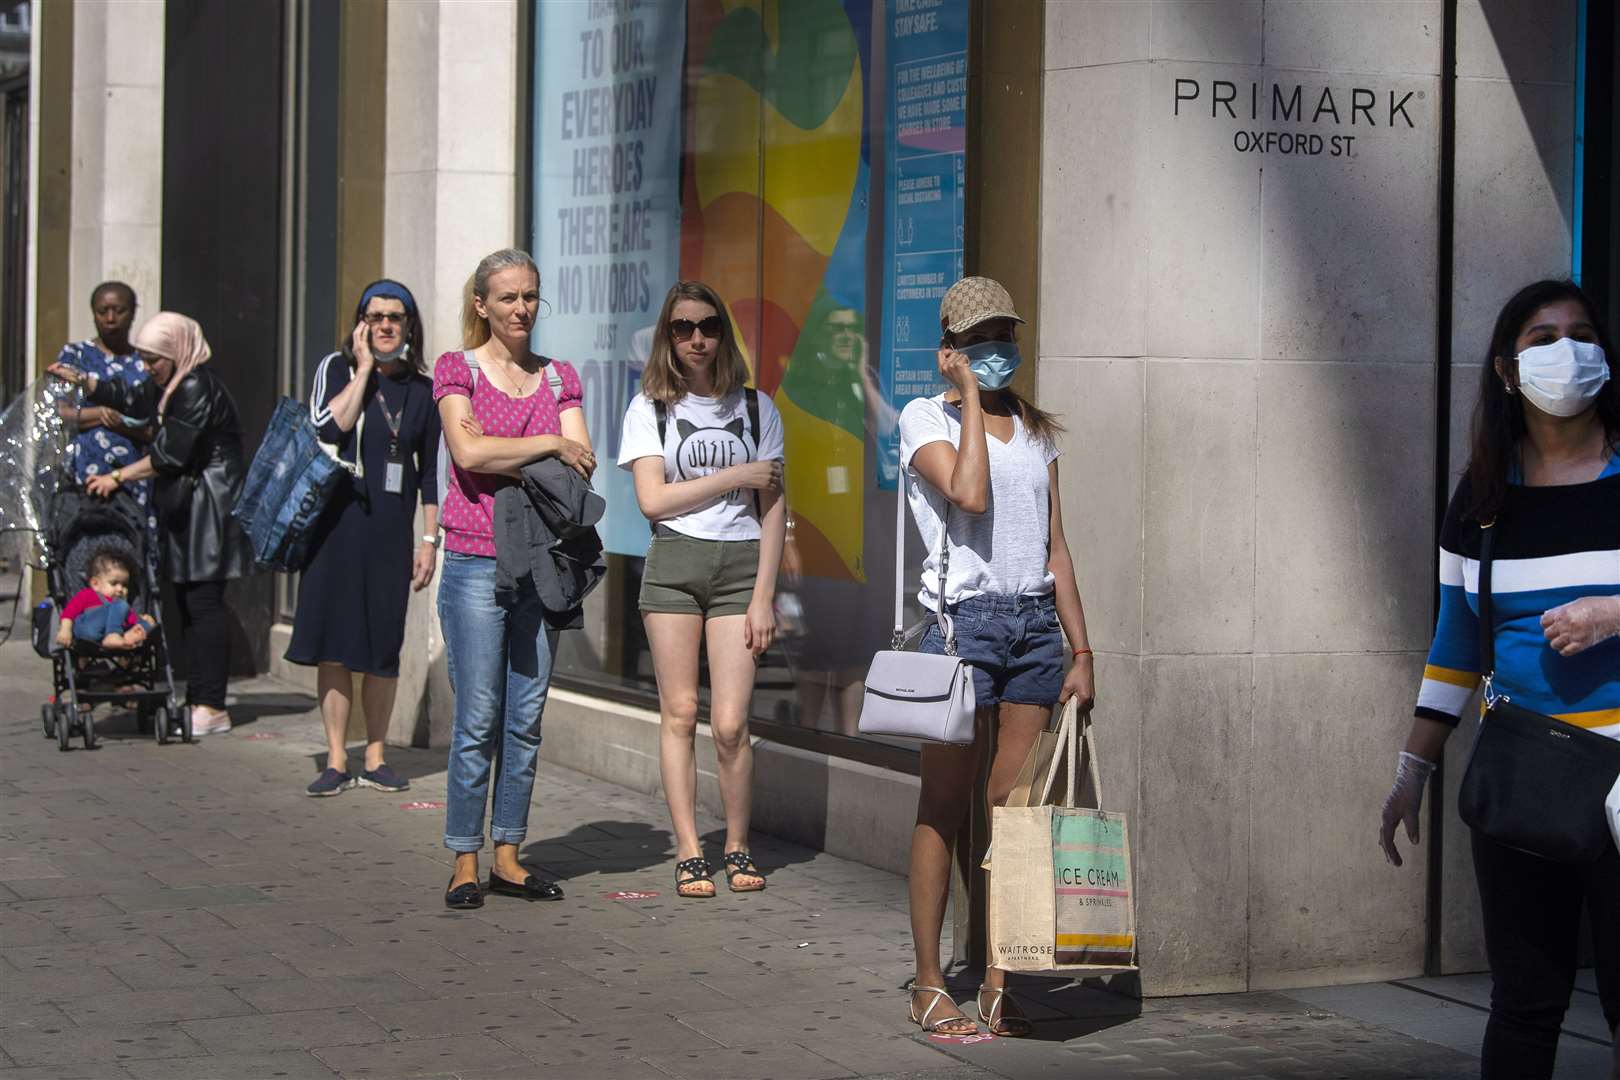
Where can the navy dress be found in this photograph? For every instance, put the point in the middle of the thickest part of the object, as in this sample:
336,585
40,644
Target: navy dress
352,596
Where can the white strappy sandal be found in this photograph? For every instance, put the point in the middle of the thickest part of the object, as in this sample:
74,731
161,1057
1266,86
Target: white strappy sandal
1006,1027
923,1022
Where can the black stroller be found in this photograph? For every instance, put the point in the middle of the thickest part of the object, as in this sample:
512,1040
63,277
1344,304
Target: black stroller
85,674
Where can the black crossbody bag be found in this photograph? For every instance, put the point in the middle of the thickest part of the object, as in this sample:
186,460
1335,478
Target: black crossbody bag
1533,782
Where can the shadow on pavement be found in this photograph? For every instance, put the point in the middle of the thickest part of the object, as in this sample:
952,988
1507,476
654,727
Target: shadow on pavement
253,706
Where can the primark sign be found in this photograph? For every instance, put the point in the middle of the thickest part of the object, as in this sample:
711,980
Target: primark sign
1297,119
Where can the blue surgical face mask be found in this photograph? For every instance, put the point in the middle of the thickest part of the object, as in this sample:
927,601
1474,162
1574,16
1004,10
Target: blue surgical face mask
993,362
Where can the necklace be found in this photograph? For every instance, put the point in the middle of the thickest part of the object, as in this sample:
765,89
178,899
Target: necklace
506,377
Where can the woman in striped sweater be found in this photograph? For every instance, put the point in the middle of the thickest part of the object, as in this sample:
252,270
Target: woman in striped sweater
1544,472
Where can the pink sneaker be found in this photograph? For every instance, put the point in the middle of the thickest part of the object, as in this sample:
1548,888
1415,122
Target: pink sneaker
205,721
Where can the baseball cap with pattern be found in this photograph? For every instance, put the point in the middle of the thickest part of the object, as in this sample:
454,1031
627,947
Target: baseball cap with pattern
971,301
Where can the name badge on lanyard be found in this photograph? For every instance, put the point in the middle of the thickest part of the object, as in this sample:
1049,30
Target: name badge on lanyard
394,470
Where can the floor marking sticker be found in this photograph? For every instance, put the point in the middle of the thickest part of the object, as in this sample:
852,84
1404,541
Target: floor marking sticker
261,736
629,895
422,805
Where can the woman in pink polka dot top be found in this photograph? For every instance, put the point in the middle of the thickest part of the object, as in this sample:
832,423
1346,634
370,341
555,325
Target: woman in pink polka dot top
503,407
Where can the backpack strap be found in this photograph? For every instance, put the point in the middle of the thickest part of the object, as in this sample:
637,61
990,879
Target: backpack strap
751,400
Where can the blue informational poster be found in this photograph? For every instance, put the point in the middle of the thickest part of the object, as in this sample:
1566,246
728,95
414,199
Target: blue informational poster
607,145
926,148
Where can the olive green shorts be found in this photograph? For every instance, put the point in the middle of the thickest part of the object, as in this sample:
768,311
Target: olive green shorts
688,576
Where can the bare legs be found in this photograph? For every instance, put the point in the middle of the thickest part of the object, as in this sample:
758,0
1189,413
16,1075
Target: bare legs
949,774
675,640
335,684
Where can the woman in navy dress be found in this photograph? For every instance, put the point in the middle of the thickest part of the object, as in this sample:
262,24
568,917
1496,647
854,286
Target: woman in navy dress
374,405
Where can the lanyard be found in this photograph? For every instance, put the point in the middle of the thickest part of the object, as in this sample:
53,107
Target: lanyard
394,420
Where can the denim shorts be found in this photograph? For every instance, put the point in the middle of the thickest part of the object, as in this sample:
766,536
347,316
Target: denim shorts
1013,643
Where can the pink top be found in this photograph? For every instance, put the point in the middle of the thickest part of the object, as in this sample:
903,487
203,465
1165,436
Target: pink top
467,509
87,598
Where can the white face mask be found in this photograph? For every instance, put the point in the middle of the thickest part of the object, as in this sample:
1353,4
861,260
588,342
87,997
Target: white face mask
1563,378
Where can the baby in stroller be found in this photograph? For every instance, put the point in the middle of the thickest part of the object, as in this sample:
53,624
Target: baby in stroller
100,612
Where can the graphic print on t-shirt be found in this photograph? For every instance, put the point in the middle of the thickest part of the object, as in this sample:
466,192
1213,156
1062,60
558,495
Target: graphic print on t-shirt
705,451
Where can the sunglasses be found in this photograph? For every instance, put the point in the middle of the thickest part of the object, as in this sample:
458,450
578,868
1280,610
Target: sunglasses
681,329
377,318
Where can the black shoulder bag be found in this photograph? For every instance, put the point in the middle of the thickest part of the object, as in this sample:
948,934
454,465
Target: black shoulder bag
1533,782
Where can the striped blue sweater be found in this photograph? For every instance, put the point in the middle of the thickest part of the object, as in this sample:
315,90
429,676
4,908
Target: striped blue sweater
1552,545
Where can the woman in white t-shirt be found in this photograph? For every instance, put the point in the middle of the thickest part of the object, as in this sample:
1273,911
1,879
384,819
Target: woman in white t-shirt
982,466
706,454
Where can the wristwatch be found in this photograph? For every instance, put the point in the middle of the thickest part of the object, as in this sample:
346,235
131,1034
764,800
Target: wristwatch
432,538
118,477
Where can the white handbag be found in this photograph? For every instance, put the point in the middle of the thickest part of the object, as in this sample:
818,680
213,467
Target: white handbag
913,695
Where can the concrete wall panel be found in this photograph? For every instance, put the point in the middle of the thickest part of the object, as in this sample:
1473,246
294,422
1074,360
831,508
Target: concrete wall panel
1101,403
1338,569
1368,36
1348,252
1515,183
1193,826
1507,39
1214,31
1198,563
1325,907
1094,292
1203,228
1082,33
1462,933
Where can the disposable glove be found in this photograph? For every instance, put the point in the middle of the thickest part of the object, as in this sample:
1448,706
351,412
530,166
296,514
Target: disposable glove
1403,803
1580,624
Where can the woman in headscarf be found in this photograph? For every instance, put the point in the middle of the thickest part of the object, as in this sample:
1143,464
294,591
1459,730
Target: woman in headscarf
197,461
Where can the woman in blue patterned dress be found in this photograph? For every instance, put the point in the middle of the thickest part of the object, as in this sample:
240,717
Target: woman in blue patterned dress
107,439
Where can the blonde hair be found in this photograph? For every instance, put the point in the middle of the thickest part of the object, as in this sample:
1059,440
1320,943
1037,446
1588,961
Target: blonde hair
474,327
661,379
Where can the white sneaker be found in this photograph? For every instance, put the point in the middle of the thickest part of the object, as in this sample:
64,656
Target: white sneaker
207,722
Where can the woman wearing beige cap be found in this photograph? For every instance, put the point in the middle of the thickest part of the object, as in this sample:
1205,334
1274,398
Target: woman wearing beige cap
982,466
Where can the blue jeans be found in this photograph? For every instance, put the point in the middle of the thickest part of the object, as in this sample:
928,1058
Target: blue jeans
500,669
98,622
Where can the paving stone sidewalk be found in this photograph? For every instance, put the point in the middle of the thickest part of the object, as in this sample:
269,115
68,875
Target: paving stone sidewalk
185,912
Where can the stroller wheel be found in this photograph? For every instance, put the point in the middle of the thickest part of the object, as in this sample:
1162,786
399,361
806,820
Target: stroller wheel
164,724
89,732
47,719
64,726
184,718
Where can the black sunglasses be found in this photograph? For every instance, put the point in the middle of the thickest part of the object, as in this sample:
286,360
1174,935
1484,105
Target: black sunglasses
681,329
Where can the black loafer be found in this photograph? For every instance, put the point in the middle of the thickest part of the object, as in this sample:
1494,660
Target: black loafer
464,897
533,888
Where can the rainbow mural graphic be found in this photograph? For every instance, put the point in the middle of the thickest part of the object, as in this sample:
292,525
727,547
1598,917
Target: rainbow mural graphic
774,215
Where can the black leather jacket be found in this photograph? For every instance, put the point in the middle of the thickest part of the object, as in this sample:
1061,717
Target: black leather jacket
197,453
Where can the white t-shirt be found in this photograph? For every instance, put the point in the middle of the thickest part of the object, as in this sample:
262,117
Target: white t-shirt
702,436
1003,550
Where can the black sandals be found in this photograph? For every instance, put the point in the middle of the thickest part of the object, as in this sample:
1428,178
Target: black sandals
741,863
701,870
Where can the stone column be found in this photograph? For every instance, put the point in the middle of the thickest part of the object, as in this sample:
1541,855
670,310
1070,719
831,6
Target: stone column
450,197
1238,322
117,138
1514,207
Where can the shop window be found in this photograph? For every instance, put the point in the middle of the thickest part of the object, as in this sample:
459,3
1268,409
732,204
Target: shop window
805,160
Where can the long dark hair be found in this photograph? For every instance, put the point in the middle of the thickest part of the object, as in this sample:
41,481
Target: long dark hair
1499,416
416,358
